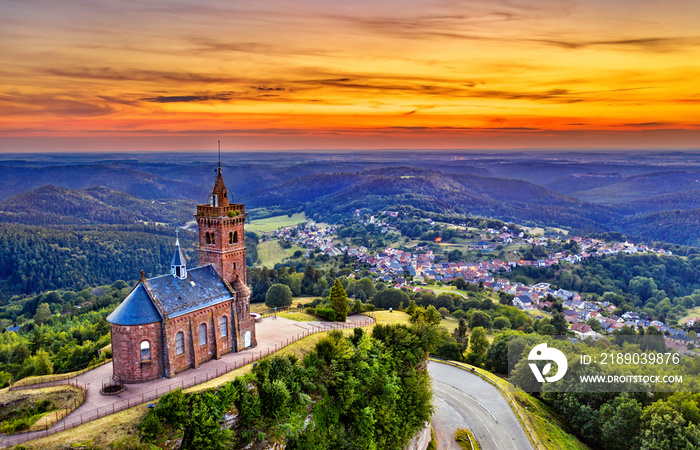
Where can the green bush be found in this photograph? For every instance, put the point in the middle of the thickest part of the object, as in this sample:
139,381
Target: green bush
150,427
173,408
326,313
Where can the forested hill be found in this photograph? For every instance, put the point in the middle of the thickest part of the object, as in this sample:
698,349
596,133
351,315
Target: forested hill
680,227
35,259
15,180
56,206
641,187
327,195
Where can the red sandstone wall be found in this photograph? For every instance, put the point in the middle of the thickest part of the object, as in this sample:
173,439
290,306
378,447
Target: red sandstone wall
223,255
126,351
195,354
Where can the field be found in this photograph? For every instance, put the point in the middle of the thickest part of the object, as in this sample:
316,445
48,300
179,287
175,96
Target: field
271,253
261,307
691,313
540,231
298,316
450,324
273,223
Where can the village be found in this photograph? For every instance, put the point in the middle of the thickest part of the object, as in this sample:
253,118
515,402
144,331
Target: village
420,267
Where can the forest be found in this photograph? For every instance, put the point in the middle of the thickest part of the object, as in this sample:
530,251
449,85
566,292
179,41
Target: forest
362,392
36,259
57,331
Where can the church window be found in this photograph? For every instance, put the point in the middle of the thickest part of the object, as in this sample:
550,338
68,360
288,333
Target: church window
234,266
230,238
235,237
208,238
213,238
224,326
177,271
145,350
202,334
180,343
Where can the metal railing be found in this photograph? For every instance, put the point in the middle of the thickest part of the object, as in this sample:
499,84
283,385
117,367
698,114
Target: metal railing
52,380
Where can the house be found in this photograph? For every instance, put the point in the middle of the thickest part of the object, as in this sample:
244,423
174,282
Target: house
580,327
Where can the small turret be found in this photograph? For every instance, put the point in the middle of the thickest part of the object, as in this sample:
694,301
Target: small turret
219,195
178,265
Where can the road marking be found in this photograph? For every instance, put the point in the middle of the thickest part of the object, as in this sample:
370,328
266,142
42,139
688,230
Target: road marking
488,429
473,399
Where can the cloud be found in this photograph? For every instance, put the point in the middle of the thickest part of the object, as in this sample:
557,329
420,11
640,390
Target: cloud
265,88
224,96
658,44
111,74
51,104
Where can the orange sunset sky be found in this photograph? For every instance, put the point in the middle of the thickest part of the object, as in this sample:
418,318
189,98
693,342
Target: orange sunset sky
272,74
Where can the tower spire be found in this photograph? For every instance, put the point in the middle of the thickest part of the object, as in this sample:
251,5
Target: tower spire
178,265
219,195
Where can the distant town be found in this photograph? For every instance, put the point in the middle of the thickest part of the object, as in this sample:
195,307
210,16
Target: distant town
417,268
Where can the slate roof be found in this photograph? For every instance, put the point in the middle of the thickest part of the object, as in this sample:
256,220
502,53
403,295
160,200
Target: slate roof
203,287
136,309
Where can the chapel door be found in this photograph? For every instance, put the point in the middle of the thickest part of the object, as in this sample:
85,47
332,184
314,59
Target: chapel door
246,339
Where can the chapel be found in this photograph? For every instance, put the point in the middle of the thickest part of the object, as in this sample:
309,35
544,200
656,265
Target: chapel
173,322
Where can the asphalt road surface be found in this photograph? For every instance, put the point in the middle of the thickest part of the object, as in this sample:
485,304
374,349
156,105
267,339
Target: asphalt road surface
464,400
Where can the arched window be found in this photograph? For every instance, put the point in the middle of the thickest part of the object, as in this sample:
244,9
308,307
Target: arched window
235,237
208,238
145,350
180,343
224,326
230,238
202,334
213,238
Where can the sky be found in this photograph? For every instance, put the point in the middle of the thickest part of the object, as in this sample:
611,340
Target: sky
96,75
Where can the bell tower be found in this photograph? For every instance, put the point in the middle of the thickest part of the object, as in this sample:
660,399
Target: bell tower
221,240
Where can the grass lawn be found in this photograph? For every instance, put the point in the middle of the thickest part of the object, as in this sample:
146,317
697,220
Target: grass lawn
447,290
121,427
540,231
297,316
273,223
450,323
691,313
34,409
534,313
550,430
271,253
261,307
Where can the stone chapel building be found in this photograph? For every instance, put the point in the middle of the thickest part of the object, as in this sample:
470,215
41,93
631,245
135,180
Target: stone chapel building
173,322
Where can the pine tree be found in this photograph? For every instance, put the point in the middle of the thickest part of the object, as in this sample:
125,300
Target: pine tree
339,301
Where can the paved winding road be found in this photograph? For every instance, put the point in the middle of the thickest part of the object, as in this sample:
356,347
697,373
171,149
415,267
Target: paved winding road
464,400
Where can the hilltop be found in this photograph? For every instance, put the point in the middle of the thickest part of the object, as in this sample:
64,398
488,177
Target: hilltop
19,179
432,191
56,206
